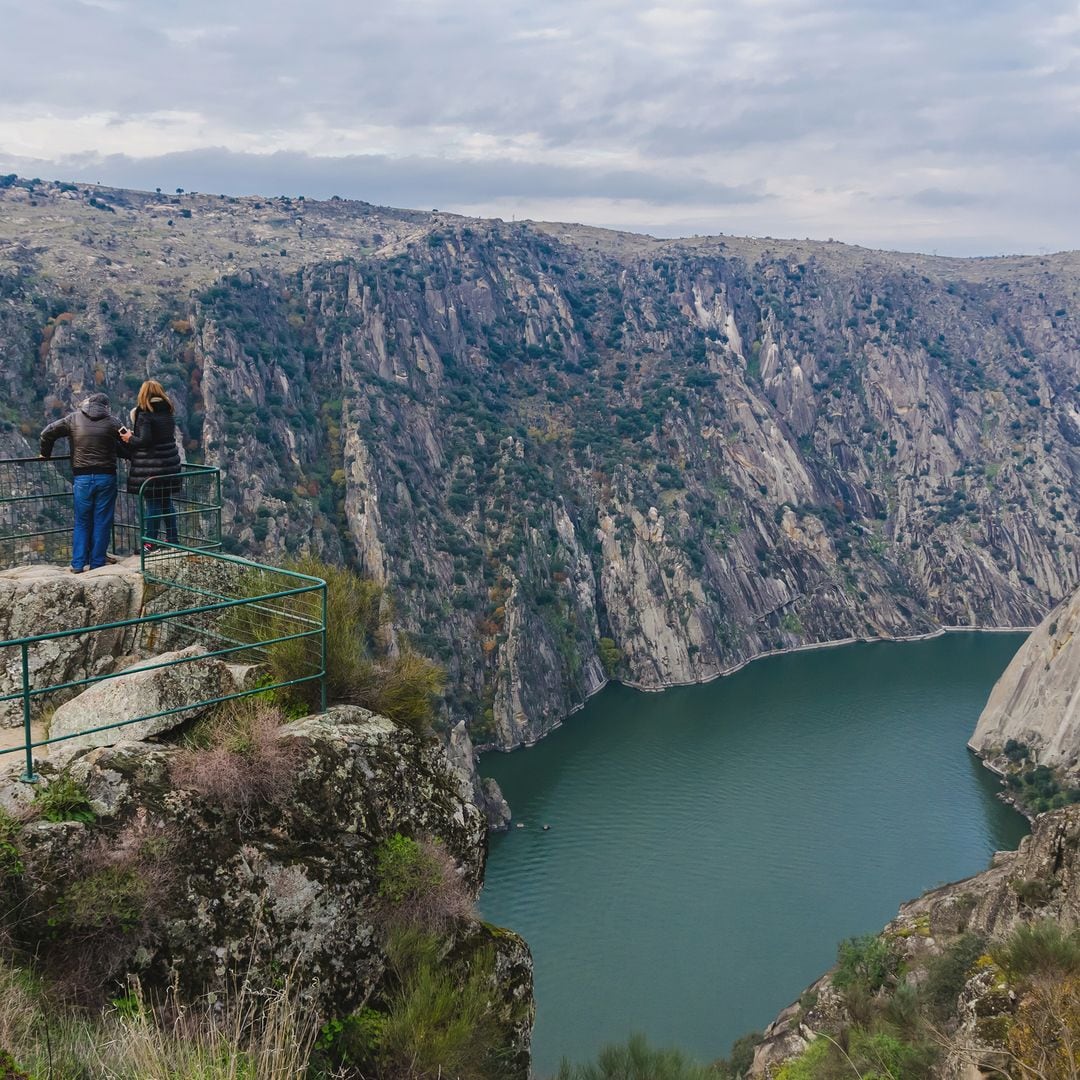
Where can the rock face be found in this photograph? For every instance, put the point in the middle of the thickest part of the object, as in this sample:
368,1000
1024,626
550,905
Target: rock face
1039,881
288,884
542,437
1037,700
45,599
154,688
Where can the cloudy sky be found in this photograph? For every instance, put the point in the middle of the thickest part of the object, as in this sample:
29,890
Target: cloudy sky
932,125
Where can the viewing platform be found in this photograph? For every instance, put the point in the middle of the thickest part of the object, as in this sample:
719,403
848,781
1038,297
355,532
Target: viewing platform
161,636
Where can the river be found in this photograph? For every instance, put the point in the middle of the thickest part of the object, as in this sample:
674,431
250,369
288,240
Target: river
710,845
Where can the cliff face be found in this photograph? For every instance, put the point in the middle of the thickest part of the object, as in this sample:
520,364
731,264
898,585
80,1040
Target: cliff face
545,436
1036,701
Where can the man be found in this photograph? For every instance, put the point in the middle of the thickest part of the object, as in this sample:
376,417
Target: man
95,436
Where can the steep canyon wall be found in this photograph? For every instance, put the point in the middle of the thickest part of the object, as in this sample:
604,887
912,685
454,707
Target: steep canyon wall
575,454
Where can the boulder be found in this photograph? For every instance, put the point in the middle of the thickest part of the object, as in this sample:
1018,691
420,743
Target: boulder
144,689
42,599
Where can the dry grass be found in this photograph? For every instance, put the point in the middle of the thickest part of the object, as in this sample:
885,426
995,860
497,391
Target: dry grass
247,1036
243,762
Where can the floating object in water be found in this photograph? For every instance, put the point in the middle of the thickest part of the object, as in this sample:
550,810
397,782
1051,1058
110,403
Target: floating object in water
546,827
521,825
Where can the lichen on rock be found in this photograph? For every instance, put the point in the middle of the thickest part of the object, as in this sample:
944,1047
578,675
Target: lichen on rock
288,883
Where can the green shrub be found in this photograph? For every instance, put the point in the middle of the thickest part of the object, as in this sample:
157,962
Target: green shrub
636,1060
880,1054
439,1022
903,1012
351,1042
875,1055
361,668
1033,892
113,898
9,1068
864,962
1041,948
435,1018
947,973
62,799
610,655
11,864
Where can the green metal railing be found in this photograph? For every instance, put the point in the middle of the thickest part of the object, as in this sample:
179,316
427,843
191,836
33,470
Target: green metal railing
187,505
36,510
238,611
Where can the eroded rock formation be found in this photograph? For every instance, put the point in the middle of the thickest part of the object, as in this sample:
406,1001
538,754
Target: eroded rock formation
1036,702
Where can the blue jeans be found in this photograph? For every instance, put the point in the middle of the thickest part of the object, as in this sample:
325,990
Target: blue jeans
159,507
95,503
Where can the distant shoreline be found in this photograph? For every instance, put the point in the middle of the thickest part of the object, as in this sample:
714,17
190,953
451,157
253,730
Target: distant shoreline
809,647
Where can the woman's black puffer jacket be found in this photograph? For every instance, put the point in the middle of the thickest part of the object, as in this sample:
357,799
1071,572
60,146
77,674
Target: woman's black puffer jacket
153,448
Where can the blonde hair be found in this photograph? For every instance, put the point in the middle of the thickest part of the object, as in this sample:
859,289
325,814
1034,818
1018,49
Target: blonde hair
148,391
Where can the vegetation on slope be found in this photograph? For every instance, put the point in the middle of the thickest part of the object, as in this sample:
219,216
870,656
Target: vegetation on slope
83,903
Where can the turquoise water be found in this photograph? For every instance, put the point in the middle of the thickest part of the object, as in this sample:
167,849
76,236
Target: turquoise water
710,845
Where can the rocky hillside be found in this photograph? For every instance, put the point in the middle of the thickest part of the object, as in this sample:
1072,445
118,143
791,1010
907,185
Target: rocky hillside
975,978
576,454
1034,709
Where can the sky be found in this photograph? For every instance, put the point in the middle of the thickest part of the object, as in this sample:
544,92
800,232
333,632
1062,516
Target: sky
950,126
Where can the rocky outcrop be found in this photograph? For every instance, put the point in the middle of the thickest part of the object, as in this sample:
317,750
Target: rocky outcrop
37,600
156,688
206,886
1036,702
1039,881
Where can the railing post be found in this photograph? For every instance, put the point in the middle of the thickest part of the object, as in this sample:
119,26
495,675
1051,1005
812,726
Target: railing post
322,679
30,777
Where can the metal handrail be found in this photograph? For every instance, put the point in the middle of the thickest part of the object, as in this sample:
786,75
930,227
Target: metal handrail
276,625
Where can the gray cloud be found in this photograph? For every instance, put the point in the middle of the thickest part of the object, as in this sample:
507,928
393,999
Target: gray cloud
400,181
927,124
936,199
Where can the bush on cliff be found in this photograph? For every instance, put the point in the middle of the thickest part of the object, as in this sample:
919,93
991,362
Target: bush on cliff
870,1055
1040,949
419,885
636,1060
434,1015
235,759
863,962
364,665
433,1019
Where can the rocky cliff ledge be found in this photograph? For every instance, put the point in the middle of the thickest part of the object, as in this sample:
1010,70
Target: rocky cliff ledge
952,955
190,869
1036,702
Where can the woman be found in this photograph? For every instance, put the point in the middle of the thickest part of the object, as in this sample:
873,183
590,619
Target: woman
154,458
